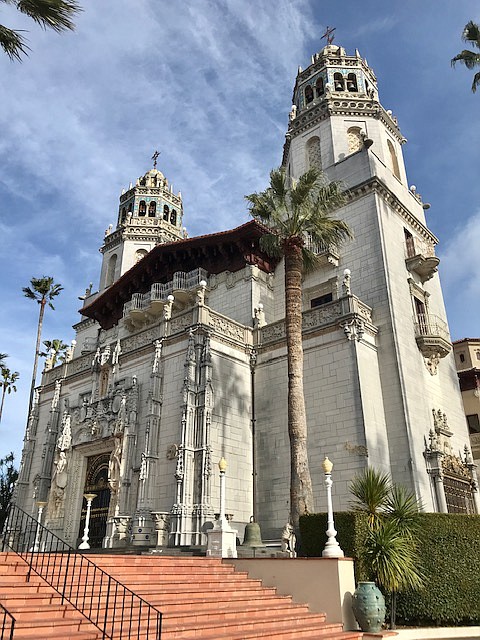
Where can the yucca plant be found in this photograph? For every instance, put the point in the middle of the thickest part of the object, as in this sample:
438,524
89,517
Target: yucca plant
391,545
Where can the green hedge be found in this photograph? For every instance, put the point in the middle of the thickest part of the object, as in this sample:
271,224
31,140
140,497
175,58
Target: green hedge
450,560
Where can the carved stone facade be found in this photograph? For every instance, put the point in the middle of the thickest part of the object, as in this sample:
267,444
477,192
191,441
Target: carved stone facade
182,360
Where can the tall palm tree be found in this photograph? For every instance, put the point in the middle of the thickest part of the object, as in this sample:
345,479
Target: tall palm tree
51,14
7,382
470,59
56,349
43,290
2,359
293,212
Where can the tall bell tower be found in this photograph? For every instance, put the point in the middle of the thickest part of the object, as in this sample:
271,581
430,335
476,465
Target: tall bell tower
149,213
336,112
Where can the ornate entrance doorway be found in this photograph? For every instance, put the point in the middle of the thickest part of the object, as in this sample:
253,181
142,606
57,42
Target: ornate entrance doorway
96,482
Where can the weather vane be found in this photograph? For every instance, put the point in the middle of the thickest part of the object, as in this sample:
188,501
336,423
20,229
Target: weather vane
154,158
329,34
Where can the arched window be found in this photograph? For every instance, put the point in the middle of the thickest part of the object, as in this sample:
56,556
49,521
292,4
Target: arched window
355,140
352,82
462,358
173,217
166,212
152,207
338,82
314,158
308,94
123,215
130,207
112,264
393,159
139,254
319,86
142,208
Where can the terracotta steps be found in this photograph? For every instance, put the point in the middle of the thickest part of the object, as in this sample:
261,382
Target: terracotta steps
200,599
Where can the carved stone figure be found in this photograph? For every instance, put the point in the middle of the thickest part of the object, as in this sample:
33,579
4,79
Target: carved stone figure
289,540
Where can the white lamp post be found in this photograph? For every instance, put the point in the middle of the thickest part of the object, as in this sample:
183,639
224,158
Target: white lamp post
36,545
332,548
89,497
222,539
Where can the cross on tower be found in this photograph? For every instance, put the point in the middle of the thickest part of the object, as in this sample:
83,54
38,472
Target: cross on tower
329,34
154,158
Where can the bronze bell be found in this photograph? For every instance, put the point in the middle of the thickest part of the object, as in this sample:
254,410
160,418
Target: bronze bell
253,536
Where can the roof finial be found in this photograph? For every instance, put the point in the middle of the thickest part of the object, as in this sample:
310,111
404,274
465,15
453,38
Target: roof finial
329,34
154,158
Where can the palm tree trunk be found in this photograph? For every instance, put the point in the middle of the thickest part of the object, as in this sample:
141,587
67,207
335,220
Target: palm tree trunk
301,492
43,302
3,400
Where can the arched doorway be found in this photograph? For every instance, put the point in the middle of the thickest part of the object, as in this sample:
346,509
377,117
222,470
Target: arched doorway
96,481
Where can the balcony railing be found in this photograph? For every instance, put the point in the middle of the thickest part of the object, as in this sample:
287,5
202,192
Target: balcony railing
420,258
431,334
183,281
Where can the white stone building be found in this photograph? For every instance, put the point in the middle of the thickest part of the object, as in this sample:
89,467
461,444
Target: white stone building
180,357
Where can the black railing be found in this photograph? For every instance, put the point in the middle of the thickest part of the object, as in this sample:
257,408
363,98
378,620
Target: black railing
117,611
7,623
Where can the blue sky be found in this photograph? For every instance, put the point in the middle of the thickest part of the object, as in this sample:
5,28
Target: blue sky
209,84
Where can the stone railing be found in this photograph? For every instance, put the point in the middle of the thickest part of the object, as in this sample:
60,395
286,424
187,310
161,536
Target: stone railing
427,324
327,314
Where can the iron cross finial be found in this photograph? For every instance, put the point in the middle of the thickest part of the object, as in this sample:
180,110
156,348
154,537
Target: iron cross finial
329,35
154,158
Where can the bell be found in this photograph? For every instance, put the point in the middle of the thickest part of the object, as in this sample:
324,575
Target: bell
253,536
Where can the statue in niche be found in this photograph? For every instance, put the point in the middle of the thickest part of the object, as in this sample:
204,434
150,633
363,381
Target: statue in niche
114,464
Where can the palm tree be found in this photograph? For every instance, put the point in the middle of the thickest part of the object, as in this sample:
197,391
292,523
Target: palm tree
51,14
55,349
293,212
391,547
43,290
470,59
7,382
2,359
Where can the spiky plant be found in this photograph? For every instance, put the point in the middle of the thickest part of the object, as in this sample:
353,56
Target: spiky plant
371,489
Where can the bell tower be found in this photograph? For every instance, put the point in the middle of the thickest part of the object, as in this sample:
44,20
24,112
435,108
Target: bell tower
336,112
149,213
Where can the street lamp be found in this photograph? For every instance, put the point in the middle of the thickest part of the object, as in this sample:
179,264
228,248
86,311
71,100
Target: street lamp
332,548
89,497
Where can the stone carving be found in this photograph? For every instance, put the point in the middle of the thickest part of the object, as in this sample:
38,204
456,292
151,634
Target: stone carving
346,283
259,317
289,540
354,329
162,525
180,322
432,362
157,356
114,464
226,327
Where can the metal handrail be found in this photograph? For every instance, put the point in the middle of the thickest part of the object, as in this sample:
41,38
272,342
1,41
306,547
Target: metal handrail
80,581
7,623
428,324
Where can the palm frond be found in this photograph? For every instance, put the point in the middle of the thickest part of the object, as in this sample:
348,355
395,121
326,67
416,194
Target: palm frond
13,43
476,81
371,489
469,58
403,508
471,33
52,14
271,244
393,558
311,260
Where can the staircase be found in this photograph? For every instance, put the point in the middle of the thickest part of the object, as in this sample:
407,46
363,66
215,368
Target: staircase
200,598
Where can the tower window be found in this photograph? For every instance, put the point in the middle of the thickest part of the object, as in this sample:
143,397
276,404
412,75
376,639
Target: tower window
166,212
142,208
130,208
338,82
319,86
314,158
462,357
308,94
112,264
410,244
139,254
123,215
152,207
173,217
393,159
352,82
355,140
